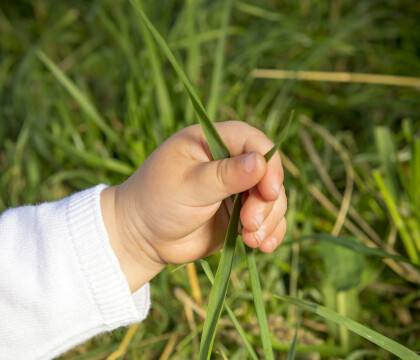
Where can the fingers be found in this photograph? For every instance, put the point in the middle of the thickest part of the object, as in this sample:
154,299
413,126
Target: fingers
263,221
255,210
275,239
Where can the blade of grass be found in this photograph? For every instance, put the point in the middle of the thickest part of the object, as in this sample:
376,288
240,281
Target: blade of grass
283,136
206,36
388,158
77,94
396,217
351,244
217,75
193,48
239,329
219,151
259,303
221,281
164,103
5,66
253,271
292,352
378,339
415,174
89,158
179,267
122,40
216,145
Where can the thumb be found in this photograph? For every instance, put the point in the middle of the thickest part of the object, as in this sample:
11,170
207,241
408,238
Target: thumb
214,181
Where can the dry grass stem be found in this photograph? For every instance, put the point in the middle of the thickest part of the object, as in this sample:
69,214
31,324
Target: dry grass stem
183,297
344,77
345,204
195,285
354,214
169,347
124,344
191,322
159,338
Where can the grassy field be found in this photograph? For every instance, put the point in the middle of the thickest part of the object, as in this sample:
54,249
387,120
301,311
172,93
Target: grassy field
86,95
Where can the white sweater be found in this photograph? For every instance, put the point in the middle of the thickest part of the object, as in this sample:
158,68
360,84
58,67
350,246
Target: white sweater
60,282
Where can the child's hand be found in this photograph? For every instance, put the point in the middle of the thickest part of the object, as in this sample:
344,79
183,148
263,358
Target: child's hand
171,210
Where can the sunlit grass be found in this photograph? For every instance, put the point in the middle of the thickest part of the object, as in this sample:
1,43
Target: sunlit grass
100,96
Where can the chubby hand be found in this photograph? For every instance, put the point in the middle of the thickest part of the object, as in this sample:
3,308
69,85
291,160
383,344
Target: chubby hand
175,207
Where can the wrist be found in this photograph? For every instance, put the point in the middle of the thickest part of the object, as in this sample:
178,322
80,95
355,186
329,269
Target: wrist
137,266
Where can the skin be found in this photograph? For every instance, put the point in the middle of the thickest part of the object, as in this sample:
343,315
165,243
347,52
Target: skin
175,207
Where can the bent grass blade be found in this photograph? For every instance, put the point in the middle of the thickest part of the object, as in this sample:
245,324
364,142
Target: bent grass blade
378,339
219,151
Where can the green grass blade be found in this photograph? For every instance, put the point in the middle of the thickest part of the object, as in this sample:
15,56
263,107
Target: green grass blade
259,303
283,136
378,339
388,157
193,49
178,267
206,36
5,66
292,352
415,174
343,267
215,142
221,281
217,75
77,94
89,158
164,103
353,245
396,217
239,329
122,40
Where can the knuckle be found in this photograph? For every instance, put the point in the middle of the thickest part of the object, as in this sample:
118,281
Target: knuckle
221,173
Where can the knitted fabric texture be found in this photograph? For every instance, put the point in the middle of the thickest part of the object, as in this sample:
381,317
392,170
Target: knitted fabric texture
60,281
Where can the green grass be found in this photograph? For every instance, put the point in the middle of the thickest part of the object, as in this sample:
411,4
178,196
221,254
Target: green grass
86,95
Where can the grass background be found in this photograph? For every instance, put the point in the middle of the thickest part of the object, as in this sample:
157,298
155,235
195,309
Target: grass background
128,100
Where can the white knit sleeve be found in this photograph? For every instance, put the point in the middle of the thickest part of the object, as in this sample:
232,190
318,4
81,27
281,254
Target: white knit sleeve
60,282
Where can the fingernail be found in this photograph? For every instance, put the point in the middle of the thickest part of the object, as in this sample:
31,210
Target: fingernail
248,162
258,220
276,189
259,236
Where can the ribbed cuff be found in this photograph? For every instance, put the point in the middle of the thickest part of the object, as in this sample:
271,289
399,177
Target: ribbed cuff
99,264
